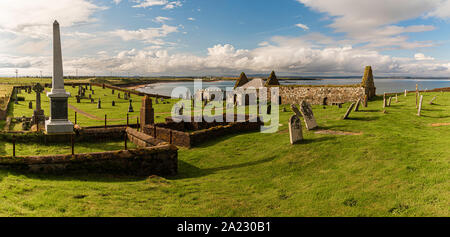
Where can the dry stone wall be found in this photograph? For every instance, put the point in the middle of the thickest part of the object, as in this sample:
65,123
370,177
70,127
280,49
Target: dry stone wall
320,95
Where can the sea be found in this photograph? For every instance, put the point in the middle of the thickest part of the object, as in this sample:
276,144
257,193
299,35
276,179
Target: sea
382,85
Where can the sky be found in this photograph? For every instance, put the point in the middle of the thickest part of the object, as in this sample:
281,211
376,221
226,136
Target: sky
226,37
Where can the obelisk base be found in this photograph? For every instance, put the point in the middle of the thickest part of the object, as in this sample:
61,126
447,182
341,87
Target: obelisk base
58,122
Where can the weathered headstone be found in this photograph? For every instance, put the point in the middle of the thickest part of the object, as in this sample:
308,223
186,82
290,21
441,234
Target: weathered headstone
358,103
431,102
103,86
78,98
113,91
384,100
396,98
349,110
295,129
420,106
125,96
92,92
90,96
308,115
113,103
147,112
30,105
118,95
92,100
99,104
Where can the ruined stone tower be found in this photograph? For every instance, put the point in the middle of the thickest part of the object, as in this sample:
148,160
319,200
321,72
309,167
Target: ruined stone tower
367,82
273,80
241,81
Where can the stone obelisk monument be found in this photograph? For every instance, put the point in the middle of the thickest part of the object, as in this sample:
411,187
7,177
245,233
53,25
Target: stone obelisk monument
58,122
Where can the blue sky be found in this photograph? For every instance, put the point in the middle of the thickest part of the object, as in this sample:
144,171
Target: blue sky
224,37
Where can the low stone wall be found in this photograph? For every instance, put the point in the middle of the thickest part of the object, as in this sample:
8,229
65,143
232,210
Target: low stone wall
320,95
157,160
4,109
141,139
181,134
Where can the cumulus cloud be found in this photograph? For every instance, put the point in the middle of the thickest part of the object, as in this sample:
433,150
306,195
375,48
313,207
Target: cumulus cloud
161,19
422,57
34,18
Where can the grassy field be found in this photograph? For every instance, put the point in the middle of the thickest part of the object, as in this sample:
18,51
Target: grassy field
398,166
115,114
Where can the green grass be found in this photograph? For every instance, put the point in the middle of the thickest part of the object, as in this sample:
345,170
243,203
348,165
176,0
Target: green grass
115,115
399,166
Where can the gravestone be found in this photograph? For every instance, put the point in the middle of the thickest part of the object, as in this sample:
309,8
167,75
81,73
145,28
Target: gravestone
349,110
406,92
113,103
92,100
90,86
118,95
125,96
284,110
103,86
38,113
99,104
130,108
30,105
90,96
308,115
384,101
92,92
431,102
420,106
147,113
58,122
295,130
78,99
390,100
113,92
357,105
396,98
156,101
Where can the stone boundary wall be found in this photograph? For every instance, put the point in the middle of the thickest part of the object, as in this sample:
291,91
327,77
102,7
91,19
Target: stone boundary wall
141,139
173,134
320,95
4,110
157,160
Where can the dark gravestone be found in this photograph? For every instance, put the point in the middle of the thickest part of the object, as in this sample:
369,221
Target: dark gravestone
92,100
130,108
99,104
78,99
61,108
125,96
113,103
295,129
118,95
92,92
30,105
308,115
113,92
90,86
90,96
349,110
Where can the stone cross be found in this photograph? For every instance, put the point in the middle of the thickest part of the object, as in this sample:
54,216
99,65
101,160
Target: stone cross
431,102
349,110
420,106
358,103
308,115
296,111
295,129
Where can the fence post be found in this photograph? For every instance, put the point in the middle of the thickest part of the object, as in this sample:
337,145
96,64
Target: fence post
126,140
14,146
127,120
72,143
105,120
75,117
137,124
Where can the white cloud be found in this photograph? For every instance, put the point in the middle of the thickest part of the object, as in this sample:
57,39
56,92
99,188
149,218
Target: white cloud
148,35
422,57
161,19
35,18
117,1
373,22
304,27
150,3
191,19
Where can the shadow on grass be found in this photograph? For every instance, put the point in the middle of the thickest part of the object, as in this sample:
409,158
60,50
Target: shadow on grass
215,140
186,170
364,118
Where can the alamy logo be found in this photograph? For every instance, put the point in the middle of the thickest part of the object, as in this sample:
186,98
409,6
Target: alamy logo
232,105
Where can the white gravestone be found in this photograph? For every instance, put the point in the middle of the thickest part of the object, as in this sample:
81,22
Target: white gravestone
420,105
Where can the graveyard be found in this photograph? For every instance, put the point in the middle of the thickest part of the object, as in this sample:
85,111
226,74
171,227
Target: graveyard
374,163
